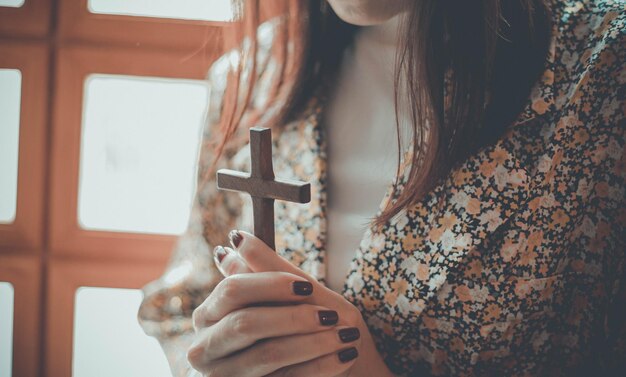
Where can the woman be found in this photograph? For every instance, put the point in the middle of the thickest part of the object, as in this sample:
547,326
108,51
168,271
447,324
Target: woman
497,250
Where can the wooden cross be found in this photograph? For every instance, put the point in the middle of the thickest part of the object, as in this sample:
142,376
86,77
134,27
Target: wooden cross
262,186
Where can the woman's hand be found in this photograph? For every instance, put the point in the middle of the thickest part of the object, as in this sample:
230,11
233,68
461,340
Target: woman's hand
235,338
268,317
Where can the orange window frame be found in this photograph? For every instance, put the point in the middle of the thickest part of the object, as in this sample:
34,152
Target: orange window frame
25,233
44,253
24,273
76,23
31,19
104,44
74,65
65,277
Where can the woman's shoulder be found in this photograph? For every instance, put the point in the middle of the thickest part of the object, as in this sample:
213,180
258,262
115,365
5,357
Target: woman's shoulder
589,50
589,23
229,62
567,9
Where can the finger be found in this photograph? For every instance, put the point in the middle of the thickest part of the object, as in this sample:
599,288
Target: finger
238,291
259,257
331,365
242,328
273,354
229,262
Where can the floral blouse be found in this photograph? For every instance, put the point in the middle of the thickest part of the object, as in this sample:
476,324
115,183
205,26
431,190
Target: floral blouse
513,265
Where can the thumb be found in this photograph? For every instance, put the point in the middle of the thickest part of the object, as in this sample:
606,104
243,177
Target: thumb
260,258
229,262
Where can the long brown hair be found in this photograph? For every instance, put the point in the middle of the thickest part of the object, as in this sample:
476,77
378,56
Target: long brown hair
469,67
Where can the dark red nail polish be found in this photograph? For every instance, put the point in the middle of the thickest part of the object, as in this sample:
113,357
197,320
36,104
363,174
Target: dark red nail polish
328,317
302,288
348,354
235,238
219,253
349,335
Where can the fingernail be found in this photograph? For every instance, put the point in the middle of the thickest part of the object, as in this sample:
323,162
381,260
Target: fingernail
328,317
219,253
348,354
235,238
349,335
302,288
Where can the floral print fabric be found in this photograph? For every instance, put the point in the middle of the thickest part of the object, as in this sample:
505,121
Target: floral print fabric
513,265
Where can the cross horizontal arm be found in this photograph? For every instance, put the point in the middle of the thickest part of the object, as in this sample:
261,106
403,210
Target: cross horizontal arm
280,189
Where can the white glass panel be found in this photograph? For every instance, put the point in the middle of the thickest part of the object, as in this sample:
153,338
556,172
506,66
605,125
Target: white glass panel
140,138
108,340
10,96
6,328
204,10
11,3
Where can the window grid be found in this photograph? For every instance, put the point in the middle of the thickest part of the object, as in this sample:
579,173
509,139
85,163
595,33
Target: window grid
44,254
10,96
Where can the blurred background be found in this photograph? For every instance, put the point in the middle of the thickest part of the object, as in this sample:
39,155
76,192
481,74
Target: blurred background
102,104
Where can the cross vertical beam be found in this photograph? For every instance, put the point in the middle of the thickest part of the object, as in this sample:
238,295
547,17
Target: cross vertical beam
262,168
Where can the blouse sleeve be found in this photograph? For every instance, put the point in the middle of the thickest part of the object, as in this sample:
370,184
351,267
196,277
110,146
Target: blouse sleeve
191,275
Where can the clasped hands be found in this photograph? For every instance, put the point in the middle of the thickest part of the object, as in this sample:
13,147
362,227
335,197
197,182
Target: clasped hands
269,318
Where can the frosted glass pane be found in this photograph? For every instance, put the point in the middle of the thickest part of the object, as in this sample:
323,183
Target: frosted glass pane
11,3
108,340
203,10
140,138
6,328
10,96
